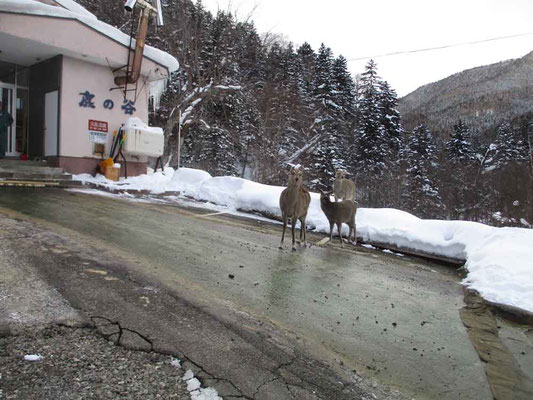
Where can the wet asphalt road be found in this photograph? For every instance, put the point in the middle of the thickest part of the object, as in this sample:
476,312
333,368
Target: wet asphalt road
394,319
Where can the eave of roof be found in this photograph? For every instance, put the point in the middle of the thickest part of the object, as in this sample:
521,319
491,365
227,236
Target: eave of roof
31,7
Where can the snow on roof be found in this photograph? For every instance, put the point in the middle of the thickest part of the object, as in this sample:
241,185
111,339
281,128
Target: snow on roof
32,7
71,5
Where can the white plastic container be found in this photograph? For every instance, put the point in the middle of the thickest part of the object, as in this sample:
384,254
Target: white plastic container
142,139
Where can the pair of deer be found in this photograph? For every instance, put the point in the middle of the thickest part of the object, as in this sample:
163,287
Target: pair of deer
295,199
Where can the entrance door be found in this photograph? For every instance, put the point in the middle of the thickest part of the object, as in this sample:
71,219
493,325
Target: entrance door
50,123
6,96
21,121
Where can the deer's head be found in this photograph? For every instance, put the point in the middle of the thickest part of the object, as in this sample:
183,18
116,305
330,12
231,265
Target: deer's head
340,174
296,176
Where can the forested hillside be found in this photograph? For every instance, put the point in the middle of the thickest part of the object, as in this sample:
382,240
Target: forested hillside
480,96
249,104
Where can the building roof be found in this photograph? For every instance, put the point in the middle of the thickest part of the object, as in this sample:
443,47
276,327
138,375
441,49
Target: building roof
72,11
71,5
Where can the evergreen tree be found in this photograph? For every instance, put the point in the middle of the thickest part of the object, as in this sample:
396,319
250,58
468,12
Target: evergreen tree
390,117
509,147
460,176
306,60
371,152
329,153
210,149
420,192
459,147
343,87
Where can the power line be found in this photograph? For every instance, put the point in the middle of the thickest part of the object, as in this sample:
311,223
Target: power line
440,47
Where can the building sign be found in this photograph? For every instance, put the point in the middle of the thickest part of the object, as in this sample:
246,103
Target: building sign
87,101
98,126
98,131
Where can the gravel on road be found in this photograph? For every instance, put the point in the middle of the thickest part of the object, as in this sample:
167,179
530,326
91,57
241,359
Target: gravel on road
78,363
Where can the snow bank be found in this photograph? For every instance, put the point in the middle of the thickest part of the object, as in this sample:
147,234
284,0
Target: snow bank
499,260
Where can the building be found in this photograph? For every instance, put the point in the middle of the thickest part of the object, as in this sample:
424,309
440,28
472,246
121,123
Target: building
58,70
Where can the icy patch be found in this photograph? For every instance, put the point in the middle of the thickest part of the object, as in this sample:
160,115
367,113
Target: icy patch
195,389
392,252
33,357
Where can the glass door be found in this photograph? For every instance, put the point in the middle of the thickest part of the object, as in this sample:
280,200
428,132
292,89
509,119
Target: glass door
6,96
21,121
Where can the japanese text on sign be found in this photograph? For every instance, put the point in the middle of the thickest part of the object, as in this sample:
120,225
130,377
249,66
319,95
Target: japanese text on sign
98,126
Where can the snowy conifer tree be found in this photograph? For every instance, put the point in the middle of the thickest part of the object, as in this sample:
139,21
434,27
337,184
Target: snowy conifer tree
508,148
459,147
421,194
390,117
371,151
460,173
329,153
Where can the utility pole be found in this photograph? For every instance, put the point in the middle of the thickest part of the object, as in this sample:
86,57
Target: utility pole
179,141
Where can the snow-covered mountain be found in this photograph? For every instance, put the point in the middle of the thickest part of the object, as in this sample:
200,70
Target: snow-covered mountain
481,97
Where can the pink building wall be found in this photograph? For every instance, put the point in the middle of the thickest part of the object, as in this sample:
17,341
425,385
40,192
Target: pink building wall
87,54
78,77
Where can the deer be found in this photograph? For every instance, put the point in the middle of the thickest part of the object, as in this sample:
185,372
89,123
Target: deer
338,213
343,188
294,202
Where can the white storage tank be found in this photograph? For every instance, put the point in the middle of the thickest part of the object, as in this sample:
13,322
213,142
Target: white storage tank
142,139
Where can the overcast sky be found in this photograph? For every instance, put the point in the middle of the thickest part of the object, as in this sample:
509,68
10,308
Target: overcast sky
357,29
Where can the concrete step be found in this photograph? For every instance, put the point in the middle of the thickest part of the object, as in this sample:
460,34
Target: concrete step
11,168
58,183
34,176
7,162
22,183
32,170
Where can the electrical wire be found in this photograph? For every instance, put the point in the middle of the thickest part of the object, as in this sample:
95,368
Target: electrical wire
440,47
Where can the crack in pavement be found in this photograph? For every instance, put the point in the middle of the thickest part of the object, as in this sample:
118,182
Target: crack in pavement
179,354
120,331
102,327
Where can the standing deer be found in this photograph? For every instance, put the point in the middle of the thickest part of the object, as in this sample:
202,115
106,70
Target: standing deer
343,188
338,213
294,203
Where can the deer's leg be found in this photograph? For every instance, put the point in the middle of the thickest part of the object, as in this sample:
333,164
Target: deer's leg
331,232
293,228
303,231
339,226
284,218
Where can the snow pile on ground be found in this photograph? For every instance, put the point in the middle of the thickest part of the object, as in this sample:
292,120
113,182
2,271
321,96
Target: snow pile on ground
197,391
499,260
156,183
33,357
